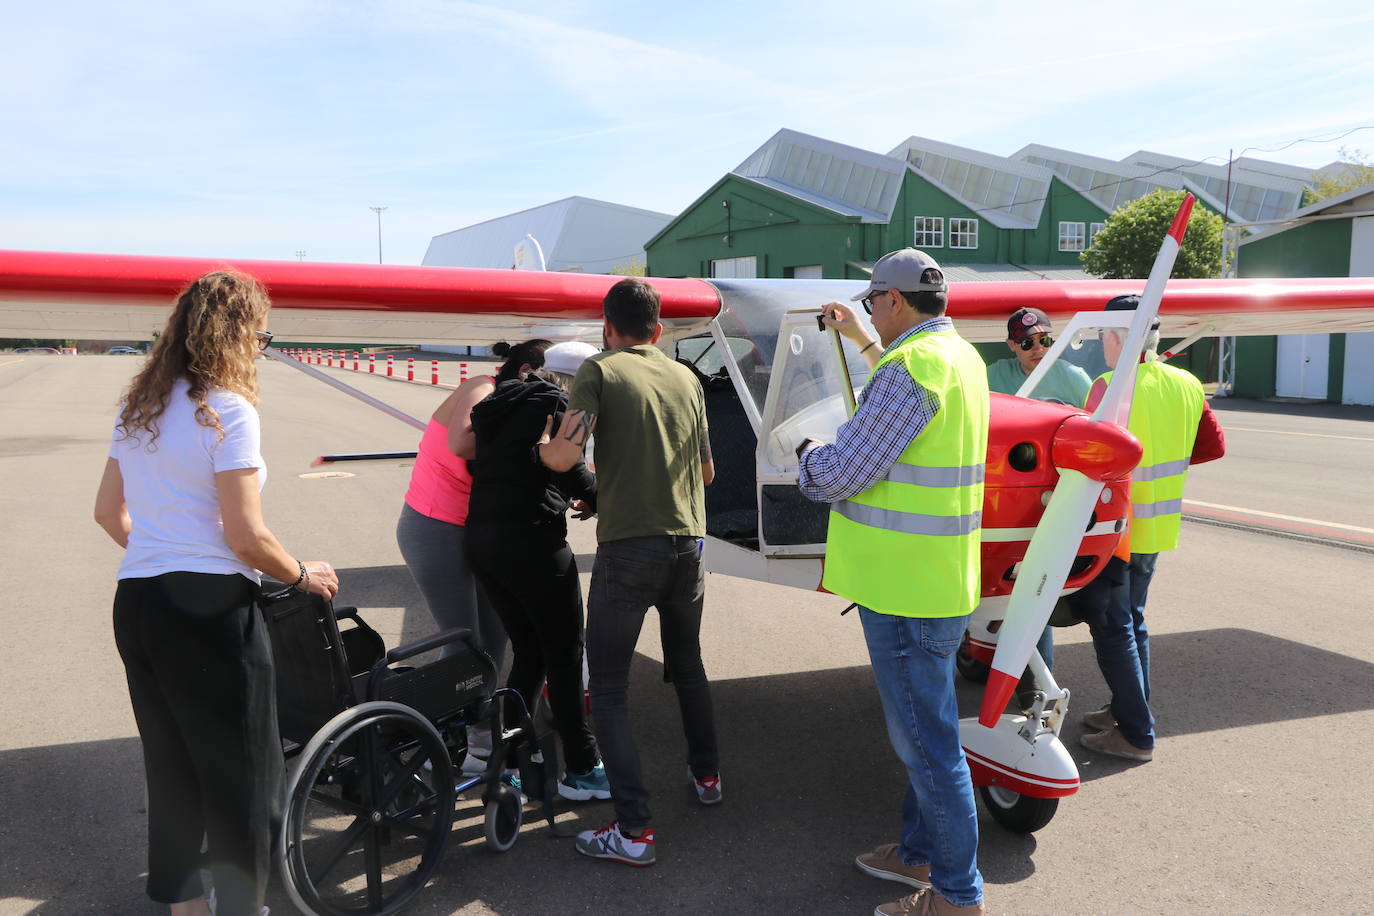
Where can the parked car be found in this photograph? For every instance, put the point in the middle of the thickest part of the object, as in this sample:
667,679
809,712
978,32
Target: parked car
125,351
36,351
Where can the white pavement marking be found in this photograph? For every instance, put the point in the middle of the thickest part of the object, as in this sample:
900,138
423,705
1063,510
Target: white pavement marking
1286,518
1284,432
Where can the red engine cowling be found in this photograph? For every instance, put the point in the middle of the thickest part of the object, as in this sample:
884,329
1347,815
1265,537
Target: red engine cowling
1028,442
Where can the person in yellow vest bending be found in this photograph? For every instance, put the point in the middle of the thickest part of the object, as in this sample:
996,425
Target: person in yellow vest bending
1176,427
904,478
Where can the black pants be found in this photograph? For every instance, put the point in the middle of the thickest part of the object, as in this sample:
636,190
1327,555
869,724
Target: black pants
199,667
532,583
629,575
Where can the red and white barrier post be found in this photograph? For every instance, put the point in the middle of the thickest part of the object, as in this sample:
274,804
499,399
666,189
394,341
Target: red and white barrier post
355,360
371,363
434,372
390,363
410,368
462,373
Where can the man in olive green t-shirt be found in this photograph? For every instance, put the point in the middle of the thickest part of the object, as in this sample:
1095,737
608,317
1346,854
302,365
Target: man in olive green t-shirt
653,459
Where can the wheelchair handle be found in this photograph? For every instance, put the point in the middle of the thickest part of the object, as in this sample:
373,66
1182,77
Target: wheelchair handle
401,653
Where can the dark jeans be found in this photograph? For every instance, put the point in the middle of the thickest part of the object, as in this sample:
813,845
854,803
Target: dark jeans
629,575
534,588
199,667
1113,606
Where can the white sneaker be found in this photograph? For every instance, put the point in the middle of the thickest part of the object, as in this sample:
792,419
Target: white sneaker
610,843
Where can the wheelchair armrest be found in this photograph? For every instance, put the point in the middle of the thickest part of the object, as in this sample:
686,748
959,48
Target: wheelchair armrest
341,613
401,653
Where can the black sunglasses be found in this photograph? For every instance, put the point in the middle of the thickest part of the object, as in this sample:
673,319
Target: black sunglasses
1045,340
264,339
867,301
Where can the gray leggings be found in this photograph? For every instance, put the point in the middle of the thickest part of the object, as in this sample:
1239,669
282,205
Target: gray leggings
438,560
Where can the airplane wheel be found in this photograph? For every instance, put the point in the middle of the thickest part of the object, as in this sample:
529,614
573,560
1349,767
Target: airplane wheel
1018,813
970,667
504,816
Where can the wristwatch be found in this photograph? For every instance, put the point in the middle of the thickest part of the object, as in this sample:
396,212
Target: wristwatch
805,444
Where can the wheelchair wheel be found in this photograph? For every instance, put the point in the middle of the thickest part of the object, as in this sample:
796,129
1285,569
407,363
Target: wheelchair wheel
505,814
369,808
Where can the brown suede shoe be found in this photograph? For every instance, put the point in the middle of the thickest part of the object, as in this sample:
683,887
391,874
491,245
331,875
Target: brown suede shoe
1100,719
927,903
1114,743
884,863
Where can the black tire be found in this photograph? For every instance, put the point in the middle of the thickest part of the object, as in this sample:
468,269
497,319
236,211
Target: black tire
969,667
1018,813
504,815
369,808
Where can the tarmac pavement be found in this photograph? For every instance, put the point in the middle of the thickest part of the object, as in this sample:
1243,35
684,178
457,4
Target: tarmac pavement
1263,684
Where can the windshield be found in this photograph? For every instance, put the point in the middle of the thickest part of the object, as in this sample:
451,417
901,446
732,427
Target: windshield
752,310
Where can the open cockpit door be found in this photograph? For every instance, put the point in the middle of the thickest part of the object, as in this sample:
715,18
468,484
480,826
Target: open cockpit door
810,395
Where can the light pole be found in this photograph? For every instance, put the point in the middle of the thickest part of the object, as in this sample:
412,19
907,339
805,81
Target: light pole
378,211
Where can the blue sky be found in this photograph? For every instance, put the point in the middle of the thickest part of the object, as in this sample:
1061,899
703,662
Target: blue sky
262,128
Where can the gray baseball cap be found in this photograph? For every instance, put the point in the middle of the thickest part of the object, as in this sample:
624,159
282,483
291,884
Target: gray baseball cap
901,270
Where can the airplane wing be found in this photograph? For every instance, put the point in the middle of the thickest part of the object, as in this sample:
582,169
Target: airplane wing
125,297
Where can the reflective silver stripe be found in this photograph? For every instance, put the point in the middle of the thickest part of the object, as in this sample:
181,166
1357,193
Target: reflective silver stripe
909,522
937,477
1161,470
1154,510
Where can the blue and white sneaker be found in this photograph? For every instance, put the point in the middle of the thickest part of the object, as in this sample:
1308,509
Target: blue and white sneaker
610,843
708,789
512,779
585,786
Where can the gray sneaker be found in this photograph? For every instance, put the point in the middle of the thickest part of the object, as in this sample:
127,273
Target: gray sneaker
708,789
1100,719
610,843
884,863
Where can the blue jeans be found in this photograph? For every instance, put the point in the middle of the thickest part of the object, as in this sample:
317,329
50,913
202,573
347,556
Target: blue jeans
1113,606
913,664
630,575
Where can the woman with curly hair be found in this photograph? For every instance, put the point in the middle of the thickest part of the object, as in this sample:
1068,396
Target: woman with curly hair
180,494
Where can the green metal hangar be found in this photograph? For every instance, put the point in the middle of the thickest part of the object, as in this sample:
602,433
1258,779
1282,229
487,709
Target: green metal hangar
804,207
1331,238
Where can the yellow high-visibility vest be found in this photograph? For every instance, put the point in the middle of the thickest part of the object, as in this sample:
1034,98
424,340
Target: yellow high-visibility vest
909,545
1165,412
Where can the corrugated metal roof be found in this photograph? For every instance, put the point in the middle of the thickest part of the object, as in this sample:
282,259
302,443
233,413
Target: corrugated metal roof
1008,193
845,179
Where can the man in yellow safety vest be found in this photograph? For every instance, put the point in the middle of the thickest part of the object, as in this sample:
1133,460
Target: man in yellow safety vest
904,478
1176,427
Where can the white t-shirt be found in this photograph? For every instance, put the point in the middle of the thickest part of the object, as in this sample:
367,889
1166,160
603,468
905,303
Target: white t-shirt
170,487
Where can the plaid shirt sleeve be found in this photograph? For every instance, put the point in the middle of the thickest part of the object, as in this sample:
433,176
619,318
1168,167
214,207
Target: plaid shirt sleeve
894,411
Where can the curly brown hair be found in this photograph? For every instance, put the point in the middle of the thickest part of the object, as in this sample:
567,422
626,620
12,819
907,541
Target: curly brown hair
210,341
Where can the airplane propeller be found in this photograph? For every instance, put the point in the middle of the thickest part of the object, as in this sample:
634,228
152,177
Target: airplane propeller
1082,474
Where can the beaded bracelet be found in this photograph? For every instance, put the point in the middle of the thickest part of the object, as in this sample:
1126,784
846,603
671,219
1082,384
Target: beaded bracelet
303,577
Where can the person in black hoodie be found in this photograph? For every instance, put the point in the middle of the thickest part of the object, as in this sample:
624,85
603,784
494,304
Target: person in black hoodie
517,545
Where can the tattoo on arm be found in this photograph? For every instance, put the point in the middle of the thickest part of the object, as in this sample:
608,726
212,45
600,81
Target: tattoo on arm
579,424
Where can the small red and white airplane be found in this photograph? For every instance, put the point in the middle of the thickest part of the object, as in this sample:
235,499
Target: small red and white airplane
1057,481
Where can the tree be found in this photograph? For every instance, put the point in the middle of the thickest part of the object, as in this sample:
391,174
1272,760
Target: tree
1125,248
1353,171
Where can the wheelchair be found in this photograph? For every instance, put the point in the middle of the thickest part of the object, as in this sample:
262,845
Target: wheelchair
376,745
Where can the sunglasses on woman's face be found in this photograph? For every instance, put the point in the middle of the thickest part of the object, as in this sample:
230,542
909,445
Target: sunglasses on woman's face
1044,340
264,339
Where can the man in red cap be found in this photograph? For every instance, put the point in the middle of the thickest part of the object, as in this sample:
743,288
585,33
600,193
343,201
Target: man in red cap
1029,338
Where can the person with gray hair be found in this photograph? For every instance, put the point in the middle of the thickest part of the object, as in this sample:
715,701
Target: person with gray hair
1171,418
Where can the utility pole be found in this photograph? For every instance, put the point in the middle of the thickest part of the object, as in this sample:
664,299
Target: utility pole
378,211
300,255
